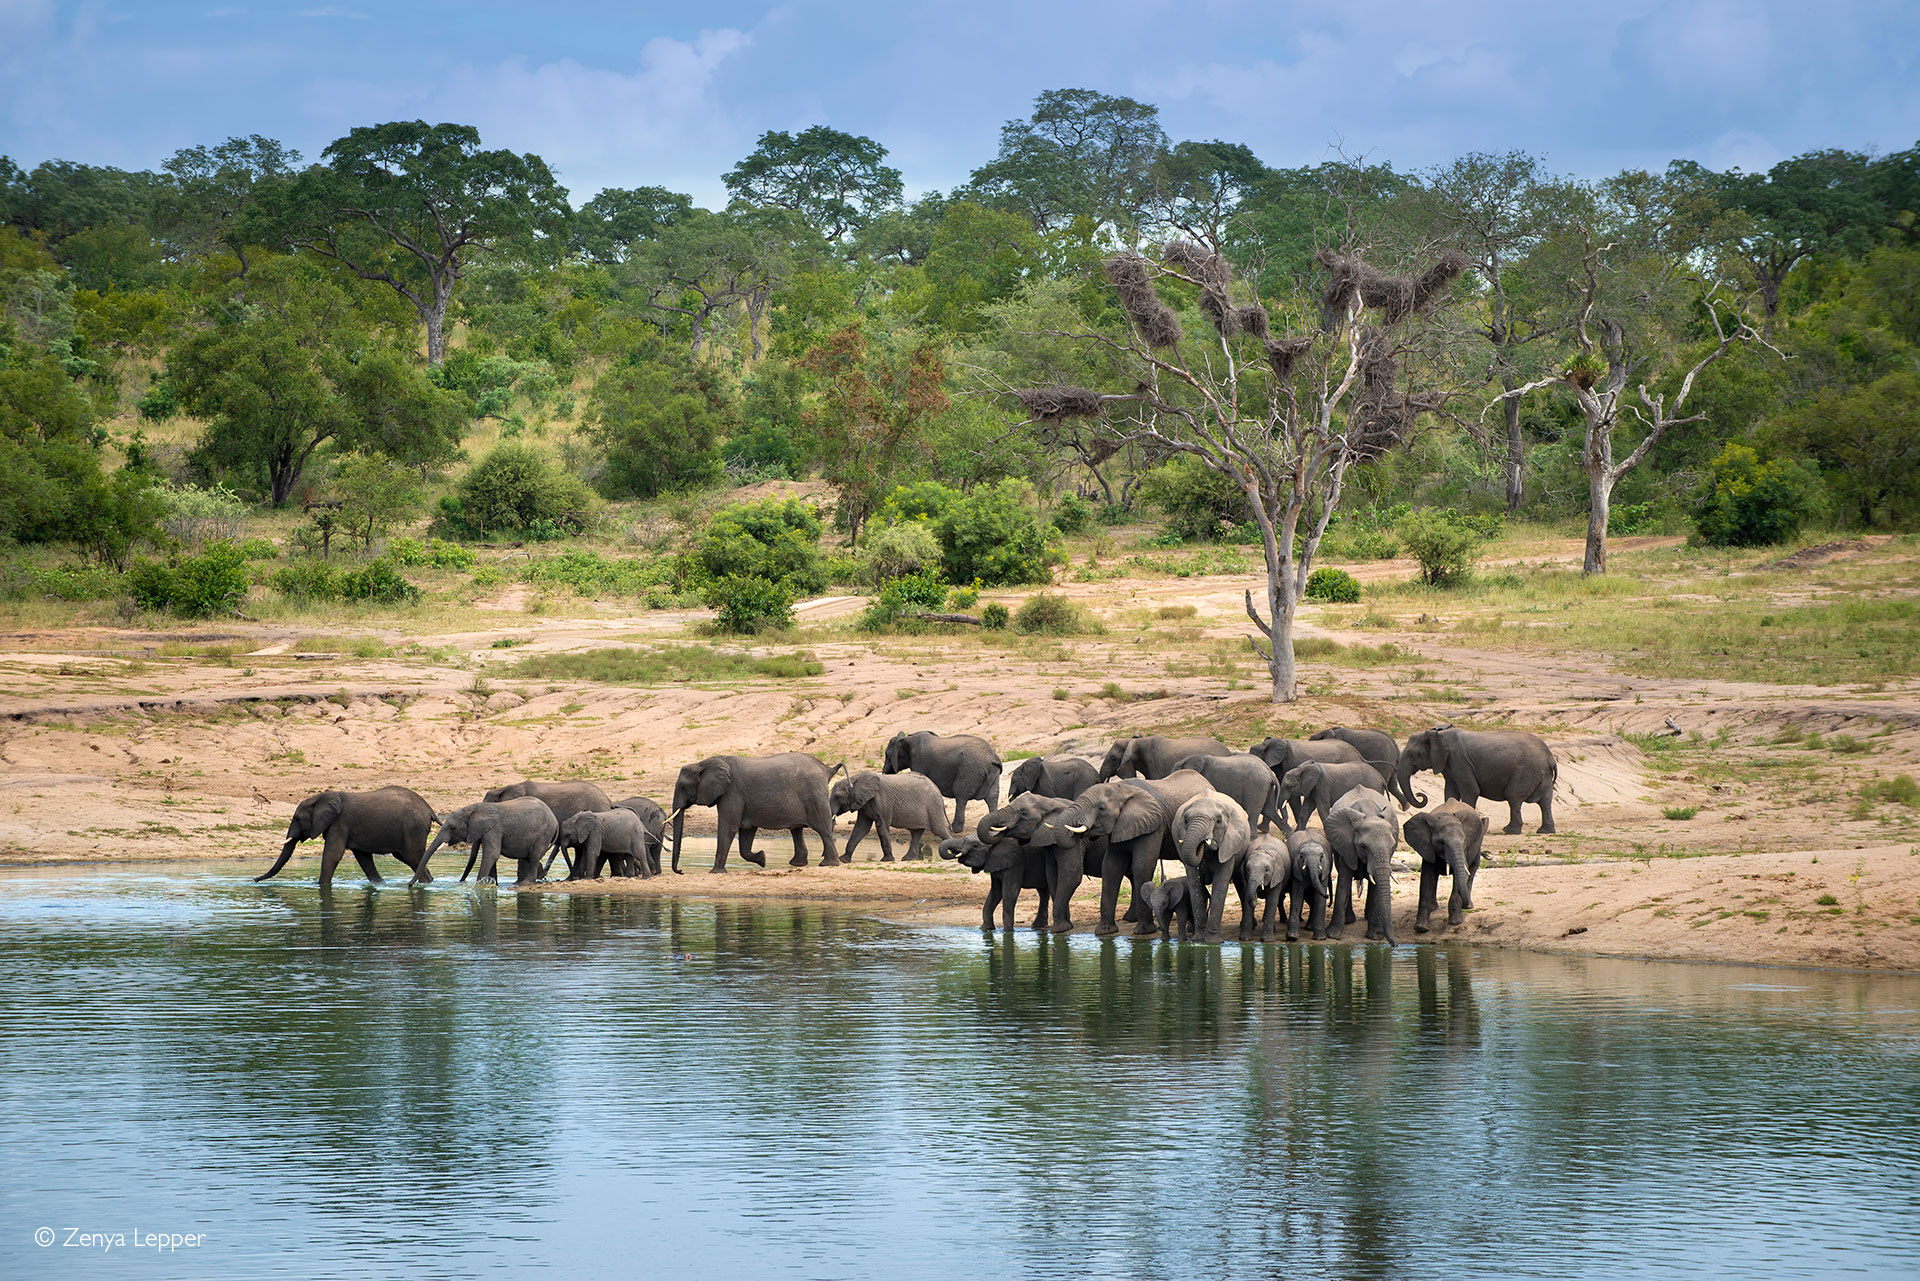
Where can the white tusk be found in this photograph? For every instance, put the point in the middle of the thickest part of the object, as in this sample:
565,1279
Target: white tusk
1077,831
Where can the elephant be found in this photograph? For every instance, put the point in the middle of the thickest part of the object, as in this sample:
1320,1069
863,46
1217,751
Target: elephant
1211,835
1362,833
597,837
1062,776
654,819
1263,878
1154,756
1132,817
1447,839
963,766
565,799
1314,786
887,801
787,791
1284,754
1246,779
391,820
1502,765
1311,878
1380,751
1065,859
1166,900
522,829
1010,863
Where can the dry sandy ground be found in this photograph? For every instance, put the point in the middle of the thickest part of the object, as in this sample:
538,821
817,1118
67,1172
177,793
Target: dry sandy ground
111,752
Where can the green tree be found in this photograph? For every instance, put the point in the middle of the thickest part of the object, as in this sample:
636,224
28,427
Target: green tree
869,425
659,421
515,491
991,534
213,189
1197,189
1081,154
834,180
608,226
1867,441
707,264
978,256
377,495
1749,503
776,540
408,204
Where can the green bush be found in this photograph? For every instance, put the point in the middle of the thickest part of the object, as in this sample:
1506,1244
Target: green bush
1487,525
1445,548
65,582
1360,544
437,552
259,549
193,516
512,491
588,573
777,540
926,501
210,585
965,597
1748,503
1050,615
378,582
1335,585
912,593
990,534
895,551
994,617
307,580
748,603
659,419
1199,503
1626,519
1073,514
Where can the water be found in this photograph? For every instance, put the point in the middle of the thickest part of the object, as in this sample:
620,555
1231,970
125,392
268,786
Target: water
451,1083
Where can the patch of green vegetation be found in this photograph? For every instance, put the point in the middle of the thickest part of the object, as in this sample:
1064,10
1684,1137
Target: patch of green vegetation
1332,651
1899,790
666,665
1680,813
1827,900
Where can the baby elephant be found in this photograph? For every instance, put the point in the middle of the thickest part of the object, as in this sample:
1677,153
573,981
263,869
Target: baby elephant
1313,786
1309,880
521,829
1447,839
1011,866
1263,878
592,840
885,801
1166,900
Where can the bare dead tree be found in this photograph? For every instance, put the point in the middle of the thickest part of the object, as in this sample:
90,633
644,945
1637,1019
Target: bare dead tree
1286,417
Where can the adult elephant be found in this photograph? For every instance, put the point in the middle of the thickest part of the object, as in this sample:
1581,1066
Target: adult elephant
1313,787
1379,750
1026,822
1447,839
1501,765
1246,779
963,766
564,798
597,837
1211,835
1133,818
654,820
1155,756
1061,776
883,802
1002,848
787,792
1362,833
522,829
390,820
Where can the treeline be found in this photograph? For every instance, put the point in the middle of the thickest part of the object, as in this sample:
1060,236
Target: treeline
334,330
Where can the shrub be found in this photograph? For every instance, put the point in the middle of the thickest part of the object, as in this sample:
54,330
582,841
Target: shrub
749,603
378,582
510,491
965,597
307,580
1335,585
1198,501
209,585
258,549
66,582
994,617
1050,615
1748,503
659,421
1625,519
436,552
990,534
777,540
376,495
912,593
1360,544
1488,525
1899,790
895,551
193,516
926,501
588,573
1445,548
1072,515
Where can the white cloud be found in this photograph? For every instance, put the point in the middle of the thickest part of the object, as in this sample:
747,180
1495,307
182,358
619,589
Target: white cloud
334,11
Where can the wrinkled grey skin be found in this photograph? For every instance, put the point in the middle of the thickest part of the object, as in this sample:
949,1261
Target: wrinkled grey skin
1133,818
1380,751
593,838
565,799
1246,779
654,819
885,801
522,829
1362,833
786,792
1313,786
1155,757
1310,879
1447,839
1168,900
1264,876
1062,776
999,848
963,766
1065,858
391,820
1501,765
1211,835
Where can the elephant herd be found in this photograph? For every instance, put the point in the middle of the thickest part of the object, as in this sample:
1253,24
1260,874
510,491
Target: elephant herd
1222,814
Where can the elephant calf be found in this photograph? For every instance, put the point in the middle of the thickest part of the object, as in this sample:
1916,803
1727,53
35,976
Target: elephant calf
1011,866
654,819
1064,777
1447,839
1164,901
614,836
1313,786
1309,882
1362,833
883,802
1263,878
963,766
522,829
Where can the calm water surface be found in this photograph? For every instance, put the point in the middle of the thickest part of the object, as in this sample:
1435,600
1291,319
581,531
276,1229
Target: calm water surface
450,1083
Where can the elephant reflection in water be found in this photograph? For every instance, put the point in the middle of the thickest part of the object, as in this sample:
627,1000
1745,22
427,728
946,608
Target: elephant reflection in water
1459,1024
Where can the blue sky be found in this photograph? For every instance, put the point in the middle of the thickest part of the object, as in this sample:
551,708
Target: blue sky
641,93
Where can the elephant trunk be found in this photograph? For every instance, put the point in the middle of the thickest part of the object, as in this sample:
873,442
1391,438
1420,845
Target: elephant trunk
1380,890
1403,775
286,852
679,829
1462,878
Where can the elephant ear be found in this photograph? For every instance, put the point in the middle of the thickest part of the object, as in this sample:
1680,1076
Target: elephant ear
1455,753
716,776
326,810
1138,816
1419,834
865,787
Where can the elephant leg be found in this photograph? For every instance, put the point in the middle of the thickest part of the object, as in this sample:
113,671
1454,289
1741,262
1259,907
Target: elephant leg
1246,909
331,853
1039,921
885,832
1139,876
1514,825
993,902
1111,874
1429,897
1459,901
799,858
959,813
1269,910
368,869
723,841
1217,903
1546,815
1064,881
823,828
1009,895
1342,902
916,845
1293,915
527,870
861,826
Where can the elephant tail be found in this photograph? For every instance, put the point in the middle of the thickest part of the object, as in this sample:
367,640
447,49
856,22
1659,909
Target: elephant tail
840,768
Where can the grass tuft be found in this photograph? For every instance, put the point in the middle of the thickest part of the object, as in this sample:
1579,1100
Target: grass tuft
667,665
